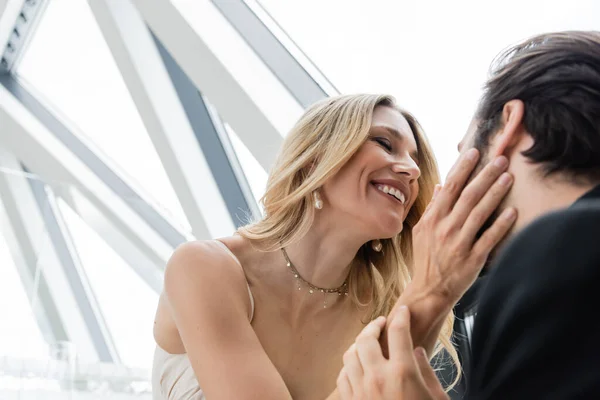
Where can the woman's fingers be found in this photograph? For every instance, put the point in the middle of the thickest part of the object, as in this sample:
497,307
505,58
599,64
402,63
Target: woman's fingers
486,207
479,188
455,181
494,234
436,190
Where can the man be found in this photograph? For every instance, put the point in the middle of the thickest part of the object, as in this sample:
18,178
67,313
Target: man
537,327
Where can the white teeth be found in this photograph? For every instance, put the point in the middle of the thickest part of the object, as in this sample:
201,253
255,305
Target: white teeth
400,197
392,192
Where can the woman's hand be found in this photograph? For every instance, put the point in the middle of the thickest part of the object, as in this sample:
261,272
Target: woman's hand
448,252
367,374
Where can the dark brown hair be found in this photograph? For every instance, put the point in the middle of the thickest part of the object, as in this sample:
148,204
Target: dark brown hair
557,76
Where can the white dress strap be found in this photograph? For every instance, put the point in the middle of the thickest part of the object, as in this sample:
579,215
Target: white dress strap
224,246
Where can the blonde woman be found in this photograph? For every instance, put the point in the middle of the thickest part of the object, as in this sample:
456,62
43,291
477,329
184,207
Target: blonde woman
269,312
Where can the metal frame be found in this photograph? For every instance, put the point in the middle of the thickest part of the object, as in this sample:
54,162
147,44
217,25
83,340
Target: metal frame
203,198
170,70
36,145
14,42
94,162
145,266
43,254
23,229
74,273
212,78
215,143
9,11
295,71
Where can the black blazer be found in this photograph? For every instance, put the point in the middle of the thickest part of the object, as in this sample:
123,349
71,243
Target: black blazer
537,331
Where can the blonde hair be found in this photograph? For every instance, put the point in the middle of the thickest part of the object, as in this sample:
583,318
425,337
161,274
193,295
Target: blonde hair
328,134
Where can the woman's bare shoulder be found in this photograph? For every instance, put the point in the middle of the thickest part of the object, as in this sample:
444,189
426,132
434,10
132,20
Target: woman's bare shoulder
241,247
198,272
207,259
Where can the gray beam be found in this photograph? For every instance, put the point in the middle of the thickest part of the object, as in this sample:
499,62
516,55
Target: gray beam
306,87
154,95
198,56
9,10
29,241
22,231
74,273
141,207
148,269
21,32
214,142
3,4
24,136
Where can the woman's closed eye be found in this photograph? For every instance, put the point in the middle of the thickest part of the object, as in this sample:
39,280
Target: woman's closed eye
385,143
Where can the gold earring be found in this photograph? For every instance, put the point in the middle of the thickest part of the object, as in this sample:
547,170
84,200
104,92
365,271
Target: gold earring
317,200
376,245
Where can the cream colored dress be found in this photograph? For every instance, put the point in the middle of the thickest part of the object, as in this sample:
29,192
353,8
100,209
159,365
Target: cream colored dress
172,375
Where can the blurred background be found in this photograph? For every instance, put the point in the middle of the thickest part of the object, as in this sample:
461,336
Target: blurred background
128,127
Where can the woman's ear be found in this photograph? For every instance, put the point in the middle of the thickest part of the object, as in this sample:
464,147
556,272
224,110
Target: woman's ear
512,130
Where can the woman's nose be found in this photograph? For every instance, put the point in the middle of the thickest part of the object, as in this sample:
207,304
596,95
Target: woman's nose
407,167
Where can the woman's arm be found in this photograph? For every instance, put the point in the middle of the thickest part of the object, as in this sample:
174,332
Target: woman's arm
208,299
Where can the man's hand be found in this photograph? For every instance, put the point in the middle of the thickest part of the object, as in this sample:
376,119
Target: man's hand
407,375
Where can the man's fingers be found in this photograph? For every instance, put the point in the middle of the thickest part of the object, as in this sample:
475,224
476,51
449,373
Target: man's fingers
399,339
367,344
352,365
373,329
486,206
431,380
344,386
455,181
369,353
477,189
494,234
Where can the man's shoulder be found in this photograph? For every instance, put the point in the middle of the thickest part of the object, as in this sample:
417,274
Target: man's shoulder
540,294
576,220
566,241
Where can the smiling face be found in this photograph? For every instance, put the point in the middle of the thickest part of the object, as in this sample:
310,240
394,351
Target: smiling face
378,185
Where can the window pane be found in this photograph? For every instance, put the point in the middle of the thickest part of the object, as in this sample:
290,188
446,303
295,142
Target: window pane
432,55
20,335
255,173
126,302
243,64
70,64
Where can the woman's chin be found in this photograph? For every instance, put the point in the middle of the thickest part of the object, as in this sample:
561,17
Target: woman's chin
388,232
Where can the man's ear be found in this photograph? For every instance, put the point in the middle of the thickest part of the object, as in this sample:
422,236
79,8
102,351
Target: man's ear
512,130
